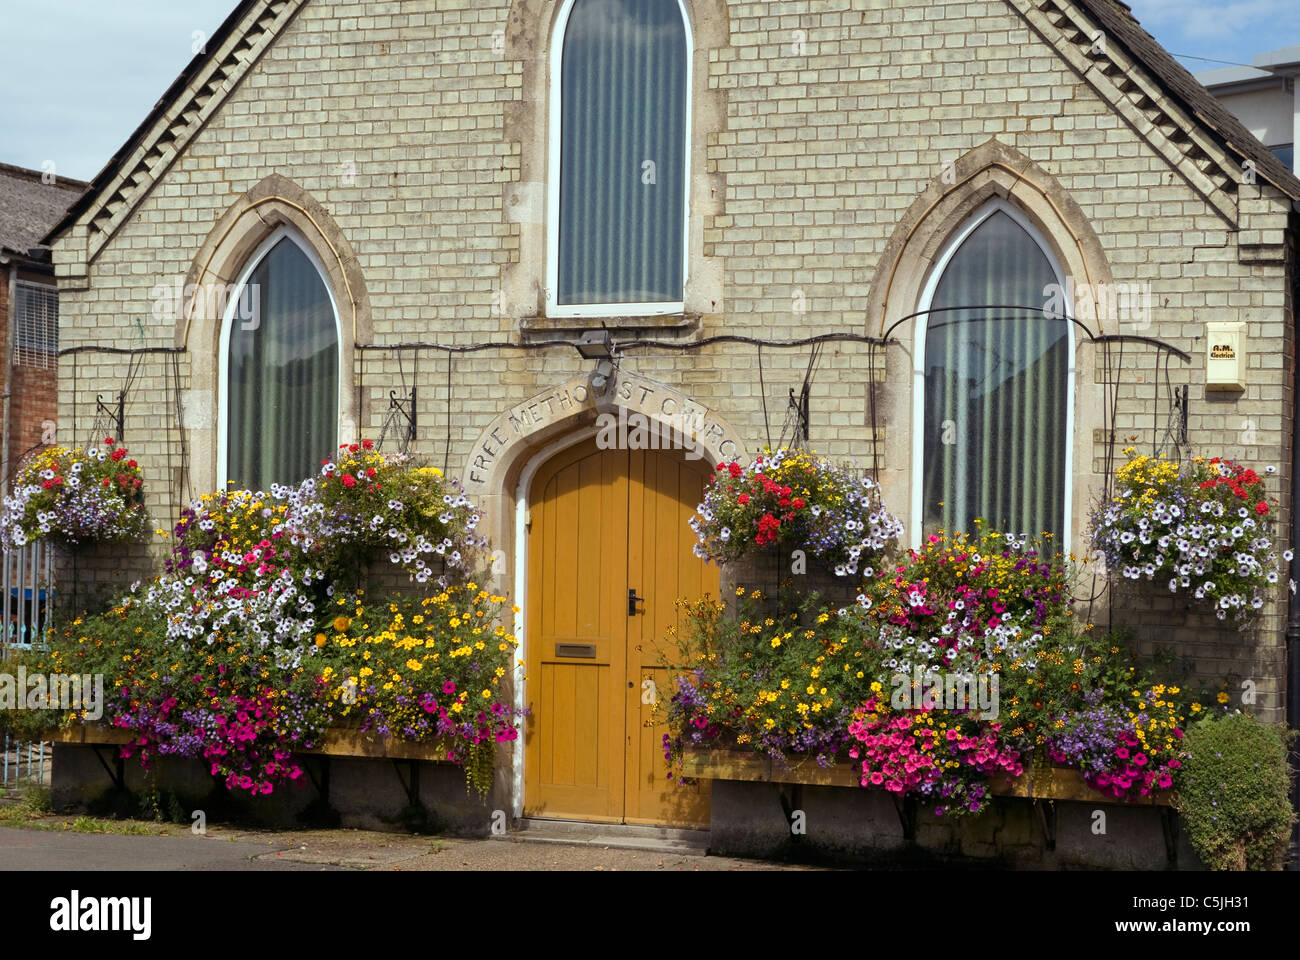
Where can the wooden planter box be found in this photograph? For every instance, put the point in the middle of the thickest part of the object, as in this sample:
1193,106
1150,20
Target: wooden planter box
338,742
1056,783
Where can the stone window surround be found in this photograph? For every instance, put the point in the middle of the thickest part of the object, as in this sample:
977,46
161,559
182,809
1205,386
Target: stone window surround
530,33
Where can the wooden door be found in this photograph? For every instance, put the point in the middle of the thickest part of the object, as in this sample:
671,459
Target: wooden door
604,522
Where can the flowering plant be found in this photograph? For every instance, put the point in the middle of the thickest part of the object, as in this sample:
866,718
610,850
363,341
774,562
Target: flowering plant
783,686
426,670
1203,528
797,500
223,702
274,559
248,646
376,505
946,757
962,603
76,496
1126,752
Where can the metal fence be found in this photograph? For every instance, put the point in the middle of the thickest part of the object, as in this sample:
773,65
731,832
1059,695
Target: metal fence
26,584
26,579
25,763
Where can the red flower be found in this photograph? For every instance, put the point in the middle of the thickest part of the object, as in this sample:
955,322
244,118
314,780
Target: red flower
132,463
109,441
349,481
743,499
735,469
1261,507
117,454
798,503
367,444
370,471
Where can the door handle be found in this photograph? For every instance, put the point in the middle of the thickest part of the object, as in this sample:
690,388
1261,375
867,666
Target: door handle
632,601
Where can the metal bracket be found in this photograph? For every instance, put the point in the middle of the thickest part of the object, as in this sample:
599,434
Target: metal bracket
115,418
789,805
907,808
403,417
321,783
118,776
1046,810
412,785
1169,824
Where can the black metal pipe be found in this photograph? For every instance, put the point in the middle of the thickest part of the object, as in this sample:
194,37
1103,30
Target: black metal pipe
1293,609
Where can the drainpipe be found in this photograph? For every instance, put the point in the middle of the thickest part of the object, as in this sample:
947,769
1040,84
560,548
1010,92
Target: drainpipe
1293,610
9,375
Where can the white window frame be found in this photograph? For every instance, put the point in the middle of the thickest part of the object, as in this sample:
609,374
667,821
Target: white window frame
918,363
655,308
223,348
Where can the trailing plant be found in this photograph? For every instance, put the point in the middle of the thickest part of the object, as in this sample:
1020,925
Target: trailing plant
254,640
425,670
75,496
1204,529
796,500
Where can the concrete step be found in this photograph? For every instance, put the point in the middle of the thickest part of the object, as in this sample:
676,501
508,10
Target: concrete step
616,836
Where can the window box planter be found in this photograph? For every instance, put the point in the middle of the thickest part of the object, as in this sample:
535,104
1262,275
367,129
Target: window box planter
1056,783
338,742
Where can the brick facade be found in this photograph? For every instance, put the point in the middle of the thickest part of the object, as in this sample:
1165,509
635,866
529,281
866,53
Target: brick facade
835,145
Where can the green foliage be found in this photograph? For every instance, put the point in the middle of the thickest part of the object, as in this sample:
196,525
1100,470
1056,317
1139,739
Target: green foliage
1233,793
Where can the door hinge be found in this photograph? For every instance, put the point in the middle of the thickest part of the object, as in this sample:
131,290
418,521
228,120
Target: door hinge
528,517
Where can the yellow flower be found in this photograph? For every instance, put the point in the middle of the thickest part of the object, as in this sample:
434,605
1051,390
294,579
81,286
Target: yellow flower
341,623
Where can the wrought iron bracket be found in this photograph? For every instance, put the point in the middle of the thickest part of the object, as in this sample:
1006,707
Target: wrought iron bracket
404,417
411,782
116,773
116,418
1046,810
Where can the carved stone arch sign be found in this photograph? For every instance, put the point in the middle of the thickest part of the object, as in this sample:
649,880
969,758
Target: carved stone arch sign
632,401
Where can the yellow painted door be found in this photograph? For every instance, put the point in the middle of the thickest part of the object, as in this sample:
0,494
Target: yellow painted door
604,522
664,490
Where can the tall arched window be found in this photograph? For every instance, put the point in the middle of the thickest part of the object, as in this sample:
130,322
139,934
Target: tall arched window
620,116
280,368
994,385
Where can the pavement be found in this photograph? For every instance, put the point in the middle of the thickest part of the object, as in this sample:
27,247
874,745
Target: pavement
48,844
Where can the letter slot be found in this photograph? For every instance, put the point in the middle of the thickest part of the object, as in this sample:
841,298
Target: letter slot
587,650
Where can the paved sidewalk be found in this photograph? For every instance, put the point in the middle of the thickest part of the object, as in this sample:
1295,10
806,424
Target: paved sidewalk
234,849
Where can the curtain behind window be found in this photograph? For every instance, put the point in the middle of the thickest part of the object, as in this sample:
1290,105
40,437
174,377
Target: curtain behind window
996,385
623,92
283,374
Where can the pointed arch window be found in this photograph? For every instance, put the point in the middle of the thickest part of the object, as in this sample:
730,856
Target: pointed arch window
619,158
993,386
280,368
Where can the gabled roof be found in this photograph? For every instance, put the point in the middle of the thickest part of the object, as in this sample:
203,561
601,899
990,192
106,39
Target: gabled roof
1118,23
182,110
28,206
185,107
